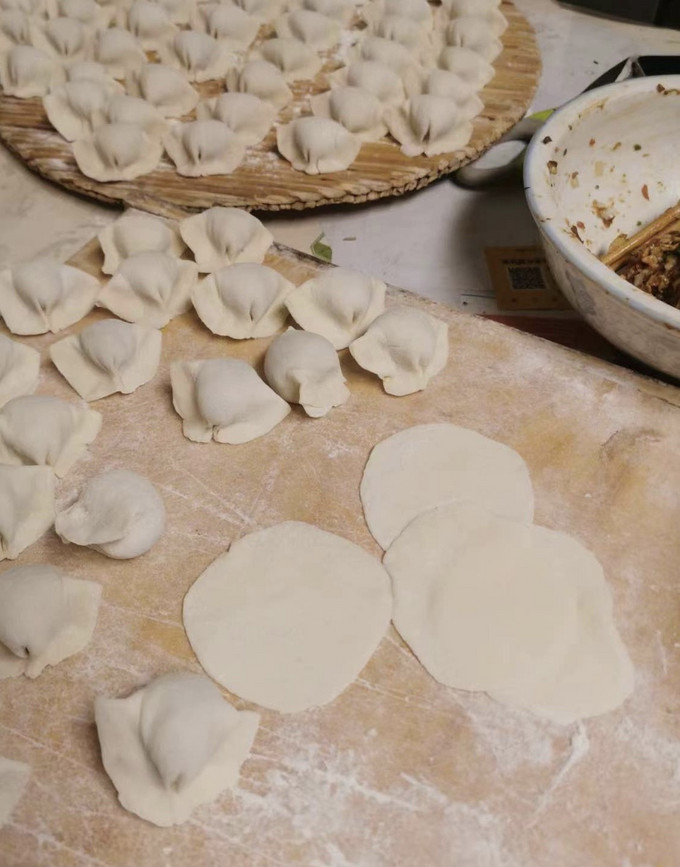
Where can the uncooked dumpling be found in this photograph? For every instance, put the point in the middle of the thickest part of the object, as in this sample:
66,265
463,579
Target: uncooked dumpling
474,33
148,22
178,11
165,87
441,82
416,10
45,617
122,108
373,76
173,745
137,233
118,513
311,28
86,11
470,66
224,236
225,400
203,147
66,39
262,79
39,429
317,145
26,72
339,10
108,356
460,8
229,24
150,288
304,368
429,465
338,304
75,108
117,152
289,616
197,54
19,369
247,116
397,57
428,125
14,777
26,507
44,295
91,70
265,10
15,29
119,51
359,111
295,59
243,300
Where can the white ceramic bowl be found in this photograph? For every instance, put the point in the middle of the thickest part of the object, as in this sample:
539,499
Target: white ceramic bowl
609,163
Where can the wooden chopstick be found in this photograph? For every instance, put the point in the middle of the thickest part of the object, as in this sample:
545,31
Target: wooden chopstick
613,258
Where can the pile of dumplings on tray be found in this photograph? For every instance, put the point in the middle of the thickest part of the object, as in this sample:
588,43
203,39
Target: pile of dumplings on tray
201,82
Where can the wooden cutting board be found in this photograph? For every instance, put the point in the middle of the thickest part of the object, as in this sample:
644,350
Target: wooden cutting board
265,181
398,770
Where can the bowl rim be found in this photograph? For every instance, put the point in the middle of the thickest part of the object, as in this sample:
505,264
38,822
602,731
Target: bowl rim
572,249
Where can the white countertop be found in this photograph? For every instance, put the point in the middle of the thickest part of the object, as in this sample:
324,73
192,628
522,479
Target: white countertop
430,242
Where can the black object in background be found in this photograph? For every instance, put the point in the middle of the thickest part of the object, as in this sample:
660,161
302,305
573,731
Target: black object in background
664,13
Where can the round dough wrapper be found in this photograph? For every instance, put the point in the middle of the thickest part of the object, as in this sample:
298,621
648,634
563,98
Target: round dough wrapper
484,603
289,616
427,465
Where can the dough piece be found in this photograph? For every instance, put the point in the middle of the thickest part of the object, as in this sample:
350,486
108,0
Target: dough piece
90,70
26,72
14,777
338,10
137,233
173,745
19,369
484,603
359,111
75,108
261,79
471,67
451,86
26,507
43,295
595,675
289,616
428,125
148,22
150,288
164,87
294,59
198,55
224,236
374,77
119,51
122,108
178,11
405,347
311,28
475,34
242,301
265,10
304,368
338,304
225,400
38,429
247,116
228,24
117,152
45,617
15,29
66,39
203,147
317,145
108,356
429,465
118,513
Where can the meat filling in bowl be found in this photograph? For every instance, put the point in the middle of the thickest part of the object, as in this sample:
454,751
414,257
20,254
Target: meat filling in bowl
655,267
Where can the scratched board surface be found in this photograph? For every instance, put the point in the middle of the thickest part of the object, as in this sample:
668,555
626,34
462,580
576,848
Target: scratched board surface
398,770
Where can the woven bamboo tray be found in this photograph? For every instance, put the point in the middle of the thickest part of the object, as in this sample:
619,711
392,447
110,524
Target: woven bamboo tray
265,181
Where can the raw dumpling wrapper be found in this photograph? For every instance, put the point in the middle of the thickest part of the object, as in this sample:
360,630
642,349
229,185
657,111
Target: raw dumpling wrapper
45,617
295,59
428,125
405,347
203,147
311,28
40,429
243,300
197,54
359,111
118,51
262,79
173,745
118,513
118,152
229,24
148,22
122,108
26,72
317,145
225,400
108,356
75,108
14,777
224,236
474,33
43,295
137,233
19,369
164,87
304,368
471,67
247,116
374,77
26,507
338,304
66,39
150,288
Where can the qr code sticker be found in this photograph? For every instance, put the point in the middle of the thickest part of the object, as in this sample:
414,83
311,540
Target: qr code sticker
526,278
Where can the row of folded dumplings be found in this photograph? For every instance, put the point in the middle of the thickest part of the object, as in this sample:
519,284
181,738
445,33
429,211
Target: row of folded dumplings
397,66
